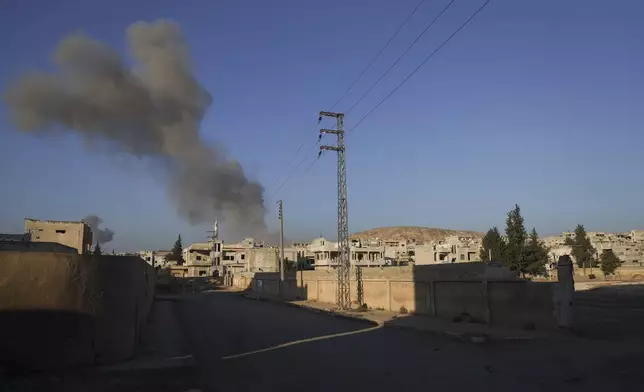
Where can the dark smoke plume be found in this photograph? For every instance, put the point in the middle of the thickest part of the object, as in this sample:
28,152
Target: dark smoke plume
152,110
98,234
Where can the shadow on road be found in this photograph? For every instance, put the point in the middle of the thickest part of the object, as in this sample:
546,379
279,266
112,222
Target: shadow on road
610,312
45,339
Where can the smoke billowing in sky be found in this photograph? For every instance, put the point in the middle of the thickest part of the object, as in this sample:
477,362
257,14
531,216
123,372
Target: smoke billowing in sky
98,235
153,109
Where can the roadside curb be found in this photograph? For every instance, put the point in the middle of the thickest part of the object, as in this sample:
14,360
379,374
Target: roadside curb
330,313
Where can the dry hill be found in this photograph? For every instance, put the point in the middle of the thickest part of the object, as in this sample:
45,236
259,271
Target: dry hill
417,234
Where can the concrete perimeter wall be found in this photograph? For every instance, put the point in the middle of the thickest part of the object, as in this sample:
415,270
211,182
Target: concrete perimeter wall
60,310
479,292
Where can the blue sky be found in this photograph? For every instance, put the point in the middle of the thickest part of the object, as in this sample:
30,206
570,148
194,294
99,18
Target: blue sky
535,103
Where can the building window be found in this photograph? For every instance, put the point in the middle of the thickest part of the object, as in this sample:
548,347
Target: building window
202,273
60,231
243,257
462,257
198,257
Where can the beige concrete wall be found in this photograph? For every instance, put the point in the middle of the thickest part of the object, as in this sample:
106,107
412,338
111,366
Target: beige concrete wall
378,293
264,259
454,299
326,291
402,294
64,309
471,291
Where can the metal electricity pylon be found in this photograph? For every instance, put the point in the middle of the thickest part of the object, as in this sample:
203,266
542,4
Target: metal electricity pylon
343,296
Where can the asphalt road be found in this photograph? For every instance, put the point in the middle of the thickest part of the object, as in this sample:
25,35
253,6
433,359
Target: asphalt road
219,325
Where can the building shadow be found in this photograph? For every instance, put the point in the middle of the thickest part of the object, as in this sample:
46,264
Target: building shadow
610,312
195,284
268,284
37,339
479,293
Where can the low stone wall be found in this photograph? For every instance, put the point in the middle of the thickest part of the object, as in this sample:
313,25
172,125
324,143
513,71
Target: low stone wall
60,310
472,291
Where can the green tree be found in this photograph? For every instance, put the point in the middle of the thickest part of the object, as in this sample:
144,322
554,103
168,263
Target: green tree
97,250
516,237
609,262
493,243
535,255
582,249
176,254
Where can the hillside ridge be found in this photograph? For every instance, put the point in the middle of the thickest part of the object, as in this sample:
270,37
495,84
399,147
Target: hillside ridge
418,234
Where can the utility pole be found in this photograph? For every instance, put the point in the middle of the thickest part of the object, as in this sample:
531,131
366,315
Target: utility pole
343,293
281,215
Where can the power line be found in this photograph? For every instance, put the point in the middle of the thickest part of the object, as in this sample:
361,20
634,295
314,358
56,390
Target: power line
401,83
420,65
402,55
288,163
299,149
295,170
293,183
378,54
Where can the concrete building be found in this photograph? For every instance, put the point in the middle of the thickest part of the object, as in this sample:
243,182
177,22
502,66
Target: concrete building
216,258
77,235
156,258
198,259
23,237
398,250
361,253
367,253
301,253
637,235
28,246
325,252
554,242
454,249
628,246
249,256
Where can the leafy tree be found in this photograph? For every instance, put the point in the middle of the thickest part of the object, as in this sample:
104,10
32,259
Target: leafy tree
569,241
97,250
582,249
609,262
535,255
516,237
176,254
494,243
